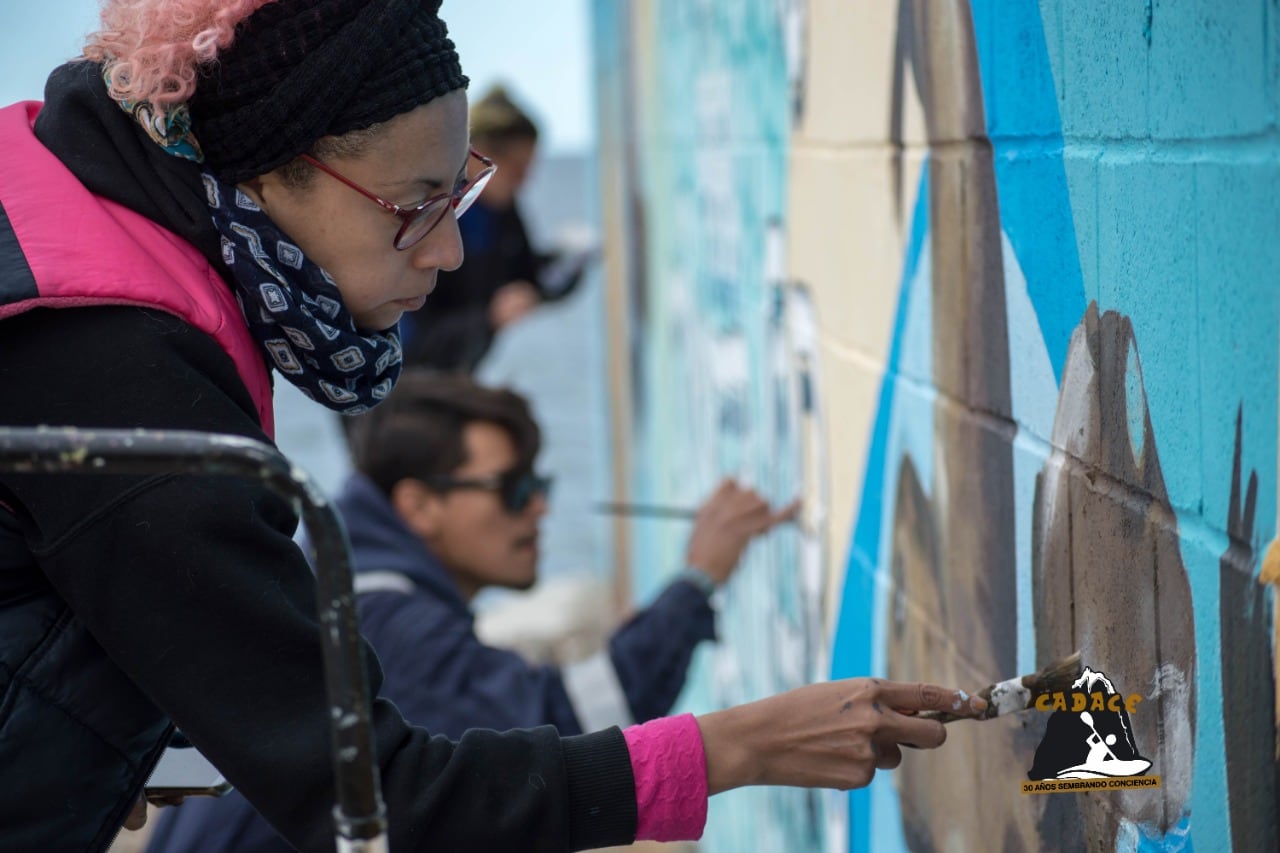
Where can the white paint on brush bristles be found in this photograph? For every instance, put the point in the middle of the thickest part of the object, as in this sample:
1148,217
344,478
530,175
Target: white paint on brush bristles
1009,697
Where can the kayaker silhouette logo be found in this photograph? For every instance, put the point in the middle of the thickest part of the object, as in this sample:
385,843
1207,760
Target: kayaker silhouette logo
1088,743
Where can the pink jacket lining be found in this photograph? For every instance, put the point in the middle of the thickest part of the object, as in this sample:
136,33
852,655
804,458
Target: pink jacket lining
83,249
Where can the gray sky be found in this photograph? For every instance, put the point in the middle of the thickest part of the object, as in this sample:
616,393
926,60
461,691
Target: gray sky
540,50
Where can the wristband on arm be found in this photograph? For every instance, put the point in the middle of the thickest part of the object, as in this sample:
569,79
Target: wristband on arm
669,765
696,576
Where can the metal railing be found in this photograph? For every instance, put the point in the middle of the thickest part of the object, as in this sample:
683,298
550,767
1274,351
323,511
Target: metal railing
359,814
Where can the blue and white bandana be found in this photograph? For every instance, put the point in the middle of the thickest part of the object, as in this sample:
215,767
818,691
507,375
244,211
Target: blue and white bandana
296,313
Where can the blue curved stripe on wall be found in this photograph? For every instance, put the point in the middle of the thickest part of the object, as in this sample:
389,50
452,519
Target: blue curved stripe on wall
1037,217
1026,130
852,655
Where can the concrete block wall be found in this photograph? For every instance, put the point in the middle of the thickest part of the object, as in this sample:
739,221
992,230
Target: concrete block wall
1038,241
1130,329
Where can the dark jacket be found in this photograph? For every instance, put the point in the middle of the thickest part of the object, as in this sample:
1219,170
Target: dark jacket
441,676
129,602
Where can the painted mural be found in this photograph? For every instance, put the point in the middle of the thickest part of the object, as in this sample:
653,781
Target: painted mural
1062,458
1071,444
722,361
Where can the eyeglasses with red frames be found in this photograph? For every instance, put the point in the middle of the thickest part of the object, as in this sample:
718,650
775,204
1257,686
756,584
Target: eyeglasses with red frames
416,222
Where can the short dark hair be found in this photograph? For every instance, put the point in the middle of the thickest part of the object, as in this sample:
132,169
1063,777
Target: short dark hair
417,432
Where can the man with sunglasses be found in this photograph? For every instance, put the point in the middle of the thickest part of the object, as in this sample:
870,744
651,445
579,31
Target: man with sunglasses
445,502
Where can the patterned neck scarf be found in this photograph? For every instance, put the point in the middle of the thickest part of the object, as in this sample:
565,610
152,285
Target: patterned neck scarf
168,127
296,313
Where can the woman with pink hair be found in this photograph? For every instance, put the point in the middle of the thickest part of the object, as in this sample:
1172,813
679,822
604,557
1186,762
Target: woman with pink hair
215,191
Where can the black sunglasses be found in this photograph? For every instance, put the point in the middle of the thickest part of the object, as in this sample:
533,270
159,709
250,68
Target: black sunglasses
516,488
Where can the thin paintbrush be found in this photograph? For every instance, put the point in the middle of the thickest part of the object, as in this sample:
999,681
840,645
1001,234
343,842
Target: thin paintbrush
1019,694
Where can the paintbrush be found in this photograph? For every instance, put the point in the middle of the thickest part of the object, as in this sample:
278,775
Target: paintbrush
647,510
1019,694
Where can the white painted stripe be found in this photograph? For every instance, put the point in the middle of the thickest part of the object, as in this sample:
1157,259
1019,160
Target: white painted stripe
596,693
382,581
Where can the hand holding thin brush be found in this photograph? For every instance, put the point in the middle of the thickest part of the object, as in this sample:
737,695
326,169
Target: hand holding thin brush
1019,694
834,734
727,523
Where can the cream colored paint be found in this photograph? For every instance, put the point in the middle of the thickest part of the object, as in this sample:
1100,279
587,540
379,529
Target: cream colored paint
847,236
848,71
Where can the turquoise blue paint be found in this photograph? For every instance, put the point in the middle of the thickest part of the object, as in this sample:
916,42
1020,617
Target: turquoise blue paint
1178,840
1208,70
1147,219
1237,313
1183,250
1134,839
1202,549
1026,132
714,400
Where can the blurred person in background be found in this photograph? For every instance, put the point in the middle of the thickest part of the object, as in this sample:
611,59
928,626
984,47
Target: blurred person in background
445,502
502,277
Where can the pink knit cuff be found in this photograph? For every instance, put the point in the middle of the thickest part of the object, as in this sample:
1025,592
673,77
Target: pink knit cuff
670,769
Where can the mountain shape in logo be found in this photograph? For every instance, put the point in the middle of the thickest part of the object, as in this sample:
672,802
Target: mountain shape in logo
1092,743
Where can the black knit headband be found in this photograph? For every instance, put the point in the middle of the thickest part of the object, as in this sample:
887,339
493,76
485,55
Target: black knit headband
302,69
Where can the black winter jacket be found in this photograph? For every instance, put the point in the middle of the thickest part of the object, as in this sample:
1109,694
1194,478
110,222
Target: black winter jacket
440,674
130,602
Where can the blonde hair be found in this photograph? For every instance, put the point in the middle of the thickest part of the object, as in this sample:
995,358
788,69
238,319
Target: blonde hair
153,48
497,119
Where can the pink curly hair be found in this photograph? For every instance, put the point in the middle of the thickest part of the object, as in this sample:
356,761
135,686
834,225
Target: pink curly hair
152,48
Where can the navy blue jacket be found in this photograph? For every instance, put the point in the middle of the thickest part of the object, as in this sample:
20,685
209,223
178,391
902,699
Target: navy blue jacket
439,674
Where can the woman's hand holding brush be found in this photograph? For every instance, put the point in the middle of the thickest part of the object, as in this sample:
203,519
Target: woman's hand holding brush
1019,694
834,734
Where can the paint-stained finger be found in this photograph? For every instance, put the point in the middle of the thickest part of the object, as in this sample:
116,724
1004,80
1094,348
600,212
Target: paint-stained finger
920,696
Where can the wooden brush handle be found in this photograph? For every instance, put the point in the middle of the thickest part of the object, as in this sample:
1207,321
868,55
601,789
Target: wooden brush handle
948,717
945,716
